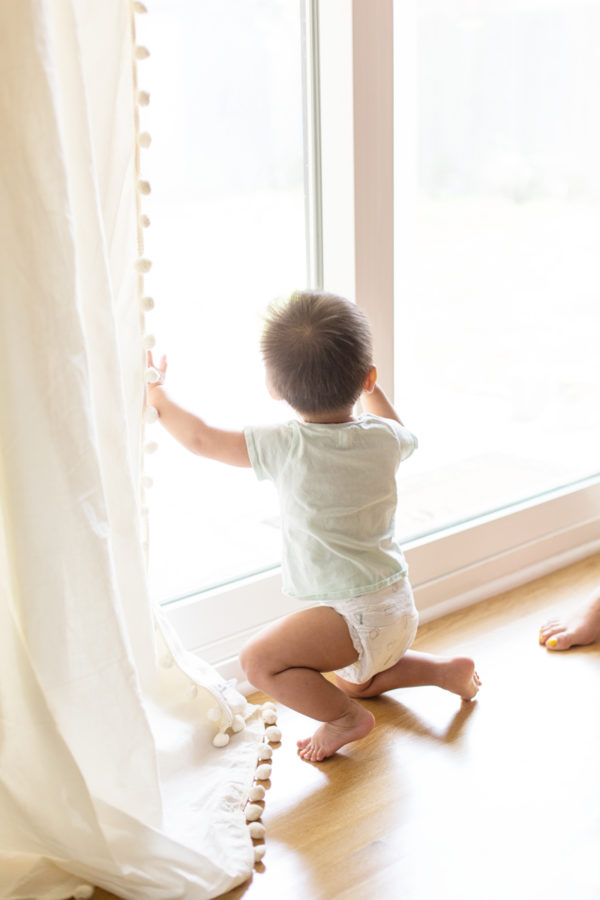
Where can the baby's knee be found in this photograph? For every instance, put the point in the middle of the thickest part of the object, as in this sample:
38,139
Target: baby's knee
254,661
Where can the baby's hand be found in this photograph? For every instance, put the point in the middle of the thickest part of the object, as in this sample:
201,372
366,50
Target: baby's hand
160,368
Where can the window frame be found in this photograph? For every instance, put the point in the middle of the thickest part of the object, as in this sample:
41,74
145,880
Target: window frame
458,566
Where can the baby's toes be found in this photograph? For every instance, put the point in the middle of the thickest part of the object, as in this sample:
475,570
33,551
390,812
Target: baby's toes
559,641
549,629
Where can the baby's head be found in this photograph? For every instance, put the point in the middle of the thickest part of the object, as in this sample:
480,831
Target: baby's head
317,349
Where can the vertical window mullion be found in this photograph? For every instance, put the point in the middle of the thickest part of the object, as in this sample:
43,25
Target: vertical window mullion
373,107
312,141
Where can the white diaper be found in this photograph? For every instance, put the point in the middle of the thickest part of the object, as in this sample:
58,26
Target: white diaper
382,626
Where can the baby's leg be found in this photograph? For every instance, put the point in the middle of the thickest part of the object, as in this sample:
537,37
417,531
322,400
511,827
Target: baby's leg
456,674
580,627
286,661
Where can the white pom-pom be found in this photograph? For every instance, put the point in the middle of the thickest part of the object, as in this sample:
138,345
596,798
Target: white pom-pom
152,375
259,852
143,98
257,830
147,481
256,792
263,772
150,415
269,705
221,739
150,447
253,812
148,342
265,752
193,691
83,891
272,733
144,187
269,716
238,724
145,221
214,714
140,8
147,303
145,139
141,52
143,266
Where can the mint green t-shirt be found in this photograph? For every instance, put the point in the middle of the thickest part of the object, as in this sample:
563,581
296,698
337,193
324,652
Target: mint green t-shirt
337,494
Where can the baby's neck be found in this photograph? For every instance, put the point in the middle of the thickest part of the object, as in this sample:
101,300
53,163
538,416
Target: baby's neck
337,417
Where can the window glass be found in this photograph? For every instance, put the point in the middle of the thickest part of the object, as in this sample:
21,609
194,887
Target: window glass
227,237
499,321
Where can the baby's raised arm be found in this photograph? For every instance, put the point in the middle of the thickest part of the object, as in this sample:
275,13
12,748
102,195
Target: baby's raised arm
192,432
375,401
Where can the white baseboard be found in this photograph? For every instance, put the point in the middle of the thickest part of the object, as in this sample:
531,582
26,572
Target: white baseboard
491,588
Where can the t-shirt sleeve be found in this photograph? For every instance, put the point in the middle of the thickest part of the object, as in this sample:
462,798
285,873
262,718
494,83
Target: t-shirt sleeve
268,448
407,441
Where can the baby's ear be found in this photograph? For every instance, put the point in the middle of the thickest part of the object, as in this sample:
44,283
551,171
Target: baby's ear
370,380
273,393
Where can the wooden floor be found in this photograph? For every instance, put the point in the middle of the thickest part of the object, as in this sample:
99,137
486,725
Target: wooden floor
498,799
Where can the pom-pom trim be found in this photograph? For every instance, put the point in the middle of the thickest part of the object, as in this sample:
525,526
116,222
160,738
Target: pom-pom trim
150,415
273,734
143,265
253,812
83,891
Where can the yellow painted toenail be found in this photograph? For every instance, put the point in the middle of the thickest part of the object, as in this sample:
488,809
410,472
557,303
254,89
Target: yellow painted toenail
552,642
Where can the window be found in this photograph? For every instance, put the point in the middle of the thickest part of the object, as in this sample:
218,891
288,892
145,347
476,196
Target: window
450,251
499,316
228,235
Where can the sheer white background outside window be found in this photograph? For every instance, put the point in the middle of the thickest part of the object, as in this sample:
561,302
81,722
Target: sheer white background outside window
499,312
227,238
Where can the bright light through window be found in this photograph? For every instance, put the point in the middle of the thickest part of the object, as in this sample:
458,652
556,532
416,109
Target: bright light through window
227,236
500,324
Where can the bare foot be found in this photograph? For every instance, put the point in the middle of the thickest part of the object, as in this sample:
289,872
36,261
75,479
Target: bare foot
581,627
459,677
330,736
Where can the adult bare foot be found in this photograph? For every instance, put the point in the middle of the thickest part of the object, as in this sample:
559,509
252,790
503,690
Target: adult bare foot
331,736
580,627
459,677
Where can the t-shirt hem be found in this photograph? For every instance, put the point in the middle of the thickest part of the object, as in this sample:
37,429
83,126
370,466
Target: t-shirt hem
349,593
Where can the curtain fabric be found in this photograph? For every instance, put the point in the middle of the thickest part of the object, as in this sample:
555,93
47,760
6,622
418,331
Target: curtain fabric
108,775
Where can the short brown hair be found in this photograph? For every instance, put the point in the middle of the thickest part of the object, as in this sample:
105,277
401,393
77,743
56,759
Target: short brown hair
317,349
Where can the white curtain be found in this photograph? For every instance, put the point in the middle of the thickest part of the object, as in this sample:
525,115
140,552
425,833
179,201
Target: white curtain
108,774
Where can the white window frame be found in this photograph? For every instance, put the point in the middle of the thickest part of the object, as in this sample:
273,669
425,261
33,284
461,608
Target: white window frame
459,566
